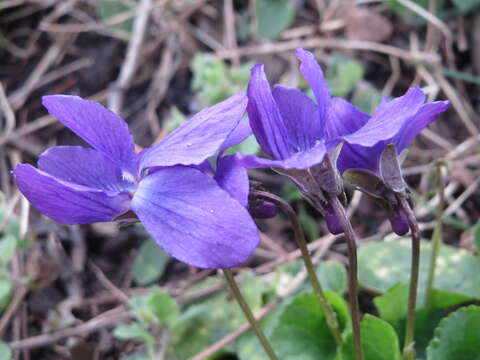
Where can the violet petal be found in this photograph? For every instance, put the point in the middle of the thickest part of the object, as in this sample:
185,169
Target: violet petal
388,119
194,220
265,118
312,72
300,116
425,115
83,166
299,160
98,126
343,118
238,135
233,178
68,203
198,138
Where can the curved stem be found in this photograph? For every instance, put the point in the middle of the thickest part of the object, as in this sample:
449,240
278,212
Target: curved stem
248,314
330,315
408,347
436,237
352,273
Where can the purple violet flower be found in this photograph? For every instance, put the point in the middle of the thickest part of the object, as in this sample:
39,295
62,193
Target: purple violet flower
186,211
299,134
374,168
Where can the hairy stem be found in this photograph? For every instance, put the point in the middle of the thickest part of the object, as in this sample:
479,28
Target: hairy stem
330,315
408,347
436,237
352,273
248,314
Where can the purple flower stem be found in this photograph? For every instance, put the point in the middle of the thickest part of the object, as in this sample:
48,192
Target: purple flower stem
408,347
330,315
352,273
437,235
248,314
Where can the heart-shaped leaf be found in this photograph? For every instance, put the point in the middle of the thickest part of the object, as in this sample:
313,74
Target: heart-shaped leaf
379,341
457,336
384,264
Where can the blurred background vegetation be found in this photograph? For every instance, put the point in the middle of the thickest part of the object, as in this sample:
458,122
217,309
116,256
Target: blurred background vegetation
100,292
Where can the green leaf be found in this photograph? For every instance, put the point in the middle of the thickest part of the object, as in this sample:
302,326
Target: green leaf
5,292
133,331
248,346
466,5
273,16
5,352
332,276
163,306
476,235
150,263
109,8
12,226
214,81
343,74
382,265
155,307
366,97
457,336
206,322
426,320
302,332
379,341
404,11
392,305
8,245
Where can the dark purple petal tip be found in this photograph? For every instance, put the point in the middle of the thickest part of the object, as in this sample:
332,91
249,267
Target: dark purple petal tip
332,221
399,221
264,210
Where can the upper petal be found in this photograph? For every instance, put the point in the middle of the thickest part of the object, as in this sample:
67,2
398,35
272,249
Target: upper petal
355,156
239,134
97,125
194,220
198,138
68,203
265,118
312,72
300,160
388,119
417,123
300,115
83,166
233,178
343,118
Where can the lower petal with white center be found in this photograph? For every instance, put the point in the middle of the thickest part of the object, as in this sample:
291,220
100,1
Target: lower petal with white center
69,203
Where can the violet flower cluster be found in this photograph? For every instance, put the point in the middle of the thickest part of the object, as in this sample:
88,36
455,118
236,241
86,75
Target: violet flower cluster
198,214
198,219
300,136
